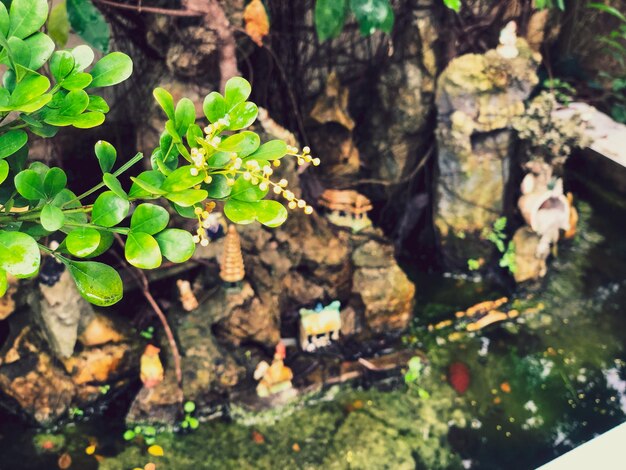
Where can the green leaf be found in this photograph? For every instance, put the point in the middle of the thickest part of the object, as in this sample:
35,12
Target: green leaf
142,250
219,159
54,181
88,120
52,218
240,212
109,209
19,254
243,115
245,191
271,213
244,143
11,142
106,155
97,283
66,199
59,24
185,115
114,185
607,9
165,100
31,87
112,69
147,184
218,188
97,103
372,15
330,16
176,245
237,90
106,240
271,150
181,179
193,133
188,197
83,57
41,48
4,170
189,407
30,185
456,5
4,20
78,81
214,106
4,282
89,23
149,218
61,65
27,16
82,241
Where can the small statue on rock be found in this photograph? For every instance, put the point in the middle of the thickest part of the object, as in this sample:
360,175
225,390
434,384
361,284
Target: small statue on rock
507,49
232,268
544,206
274,378
151,369
320,326
187,297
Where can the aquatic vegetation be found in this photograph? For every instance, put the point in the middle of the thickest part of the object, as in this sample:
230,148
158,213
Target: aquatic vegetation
372,15
189,421
413,375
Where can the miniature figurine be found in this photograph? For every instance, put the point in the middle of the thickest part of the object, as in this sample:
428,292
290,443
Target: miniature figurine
507,49
151,369
544,207
232,269
320,326
346,208
273,378
187,297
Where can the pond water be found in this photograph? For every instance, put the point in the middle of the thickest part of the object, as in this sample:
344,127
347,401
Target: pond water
539,385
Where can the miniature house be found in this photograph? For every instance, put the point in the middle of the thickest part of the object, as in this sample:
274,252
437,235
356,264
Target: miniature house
346,208
320,326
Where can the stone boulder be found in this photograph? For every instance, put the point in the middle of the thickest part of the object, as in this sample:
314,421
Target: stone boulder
478,97
381,287
38,385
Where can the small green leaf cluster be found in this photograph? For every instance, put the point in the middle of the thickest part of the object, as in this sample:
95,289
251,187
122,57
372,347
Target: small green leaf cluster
149,434
222,162
497,236
371,15
413,375
189,422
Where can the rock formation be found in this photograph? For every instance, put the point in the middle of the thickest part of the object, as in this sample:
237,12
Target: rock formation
478,97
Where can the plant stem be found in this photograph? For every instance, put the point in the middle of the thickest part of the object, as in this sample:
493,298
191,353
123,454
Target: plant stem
121,170
122,230
144,284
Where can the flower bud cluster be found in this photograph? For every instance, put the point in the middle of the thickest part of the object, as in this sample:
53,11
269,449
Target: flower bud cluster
203,223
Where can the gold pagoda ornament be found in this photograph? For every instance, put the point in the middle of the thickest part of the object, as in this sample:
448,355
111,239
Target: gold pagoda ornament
232,269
